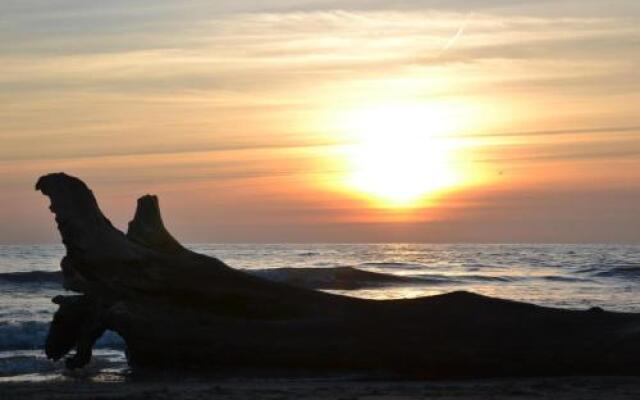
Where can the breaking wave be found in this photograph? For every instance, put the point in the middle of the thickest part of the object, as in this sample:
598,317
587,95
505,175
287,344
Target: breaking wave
26,335
32,277
344,277
622,271
339,277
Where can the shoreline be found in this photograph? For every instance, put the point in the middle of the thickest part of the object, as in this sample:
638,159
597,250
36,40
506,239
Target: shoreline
196,388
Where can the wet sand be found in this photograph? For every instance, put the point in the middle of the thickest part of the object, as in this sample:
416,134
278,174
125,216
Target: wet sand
582,388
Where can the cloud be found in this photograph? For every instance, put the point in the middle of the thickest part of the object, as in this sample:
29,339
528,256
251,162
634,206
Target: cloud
232,91
569,131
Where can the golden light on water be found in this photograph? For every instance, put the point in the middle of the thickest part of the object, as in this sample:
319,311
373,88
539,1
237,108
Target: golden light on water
403,154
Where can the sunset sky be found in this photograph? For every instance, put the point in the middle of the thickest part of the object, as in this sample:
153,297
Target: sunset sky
326,121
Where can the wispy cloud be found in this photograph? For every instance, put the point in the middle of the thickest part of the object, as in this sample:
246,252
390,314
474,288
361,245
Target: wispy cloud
198,91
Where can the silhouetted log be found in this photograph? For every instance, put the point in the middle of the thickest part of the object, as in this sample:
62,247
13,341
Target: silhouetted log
147,228
176,308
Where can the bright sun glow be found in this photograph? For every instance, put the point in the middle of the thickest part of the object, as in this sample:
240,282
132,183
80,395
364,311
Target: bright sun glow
403,153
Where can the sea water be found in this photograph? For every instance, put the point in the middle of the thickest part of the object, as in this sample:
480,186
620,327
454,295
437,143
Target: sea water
566,276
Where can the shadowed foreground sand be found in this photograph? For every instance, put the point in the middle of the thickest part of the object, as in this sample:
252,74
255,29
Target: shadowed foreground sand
533,388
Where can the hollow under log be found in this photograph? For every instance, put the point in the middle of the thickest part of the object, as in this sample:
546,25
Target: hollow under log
175,308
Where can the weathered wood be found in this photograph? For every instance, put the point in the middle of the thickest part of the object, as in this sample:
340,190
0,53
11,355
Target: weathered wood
176,308
147,229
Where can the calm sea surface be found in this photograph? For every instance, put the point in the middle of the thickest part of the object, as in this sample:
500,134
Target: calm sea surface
567,276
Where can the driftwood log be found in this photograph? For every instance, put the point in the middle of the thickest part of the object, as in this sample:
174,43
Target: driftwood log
178,309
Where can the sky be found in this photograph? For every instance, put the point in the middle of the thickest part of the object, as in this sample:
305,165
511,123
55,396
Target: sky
325,121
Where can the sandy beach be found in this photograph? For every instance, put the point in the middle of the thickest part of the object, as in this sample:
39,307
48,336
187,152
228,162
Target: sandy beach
582,388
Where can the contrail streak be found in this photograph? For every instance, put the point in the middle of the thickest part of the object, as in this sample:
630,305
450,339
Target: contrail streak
455,37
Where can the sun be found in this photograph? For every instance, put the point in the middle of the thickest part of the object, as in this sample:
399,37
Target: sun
403,153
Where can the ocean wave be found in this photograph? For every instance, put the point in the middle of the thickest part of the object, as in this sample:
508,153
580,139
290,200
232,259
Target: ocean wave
334,277
22,335
465,278
25,335
588,270
558,278
30,364
343,277
393,264
629,271
476,266
32,277
387,264
18,364
484,278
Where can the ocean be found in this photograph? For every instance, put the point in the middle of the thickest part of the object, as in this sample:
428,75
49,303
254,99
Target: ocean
566,276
